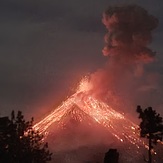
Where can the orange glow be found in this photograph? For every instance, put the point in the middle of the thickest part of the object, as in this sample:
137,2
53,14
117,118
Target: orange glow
121,128
84,85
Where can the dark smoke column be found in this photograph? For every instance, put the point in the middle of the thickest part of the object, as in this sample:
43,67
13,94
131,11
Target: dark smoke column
129,34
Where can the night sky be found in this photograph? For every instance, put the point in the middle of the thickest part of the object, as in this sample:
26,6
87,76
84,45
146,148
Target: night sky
46,46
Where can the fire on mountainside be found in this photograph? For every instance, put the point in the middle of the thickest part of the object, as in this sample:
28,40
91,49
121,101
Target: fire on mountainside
83,114
115,122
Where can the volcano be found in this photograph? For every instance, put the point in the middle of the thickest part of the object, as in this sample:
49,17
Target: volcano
83,123
83,108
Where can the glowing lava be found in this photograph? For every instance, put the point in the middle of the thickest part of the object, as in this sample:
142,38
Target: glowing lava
122,128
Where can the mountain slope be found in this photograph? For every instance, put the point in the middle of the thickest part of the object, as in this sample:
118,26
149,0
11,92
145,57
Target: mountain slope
83,123
76,129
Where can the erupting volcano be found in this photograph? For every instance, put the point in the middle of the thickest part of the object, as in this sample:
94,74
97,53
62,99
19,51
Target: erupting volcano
97,110
122,80
82,112
116,123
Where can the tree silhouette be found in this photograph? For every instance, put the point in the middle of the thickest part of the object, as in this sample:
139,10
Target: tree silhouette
20,143
151,127
112,156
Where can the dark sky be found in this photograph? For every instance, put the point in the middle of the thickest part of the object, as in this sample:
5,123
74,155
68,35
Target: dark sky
46,46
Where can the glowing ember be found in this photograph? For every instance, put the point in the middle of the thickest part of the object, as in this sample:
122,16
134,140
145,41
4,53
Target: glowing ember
84,85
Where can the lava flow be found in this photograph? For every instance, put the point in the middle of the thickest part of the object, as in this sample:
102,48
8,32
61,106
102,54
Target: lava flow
116,123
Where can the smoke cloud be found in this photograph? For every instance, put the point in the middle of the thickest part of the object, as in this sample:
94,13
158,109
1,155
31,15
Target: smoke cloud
123,80
129,32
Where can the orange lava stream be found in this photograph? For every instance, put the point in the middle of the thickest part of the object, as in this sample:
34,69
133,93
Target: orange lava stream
55,116
116,123
122,128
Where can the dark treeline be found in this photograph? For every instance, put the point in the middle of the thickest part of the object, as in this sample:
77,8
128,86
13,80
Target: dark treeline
20,143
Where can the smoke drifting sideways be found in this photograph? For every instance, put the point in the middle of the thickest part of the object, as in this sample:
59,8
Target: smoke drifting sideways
123,82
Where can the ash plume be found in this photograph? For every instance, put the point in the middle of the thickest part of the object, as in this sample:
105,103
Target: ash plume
129,32
123,78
